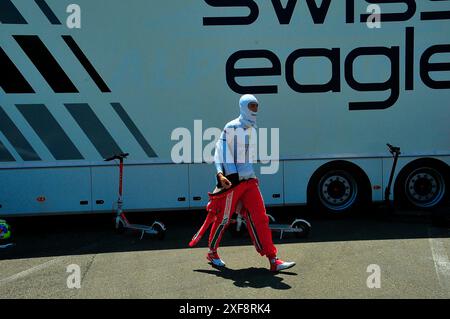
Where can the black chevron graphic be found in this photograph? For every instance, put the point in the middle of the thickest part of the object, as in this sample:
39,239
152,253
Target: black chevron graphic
46,64
86,63
47,11
9,13
11,80
16,138
38,116
5,155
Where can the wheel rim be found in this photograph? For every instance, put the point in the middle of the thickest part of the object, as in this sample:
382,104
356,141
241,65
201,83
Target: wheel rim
425,187
338,190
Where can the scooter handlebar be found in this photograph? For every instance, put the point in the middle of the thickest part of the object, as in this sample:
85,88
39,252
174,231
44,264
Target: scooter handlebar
393,149
117,156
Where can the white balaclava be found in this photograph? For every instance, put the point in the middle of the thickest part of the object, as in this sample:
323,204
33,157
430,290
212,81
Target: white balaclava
247,117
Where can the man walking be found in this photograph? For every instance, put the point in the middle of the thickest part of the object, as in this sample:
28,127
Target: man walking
239,190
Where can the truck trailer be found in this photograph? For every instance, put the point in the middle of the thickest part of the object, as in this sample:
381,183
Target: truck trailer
336,81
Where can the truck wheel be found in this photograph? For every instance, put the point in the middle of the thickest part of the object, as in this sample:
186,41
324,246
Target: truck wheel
423,186
335,192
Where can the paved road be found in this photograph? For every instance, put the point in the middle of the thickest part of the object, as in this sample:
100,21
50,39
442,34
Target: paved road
336,261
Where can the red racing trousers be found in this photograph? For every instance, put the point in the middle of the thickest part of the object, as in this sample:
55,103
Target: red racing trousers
246,199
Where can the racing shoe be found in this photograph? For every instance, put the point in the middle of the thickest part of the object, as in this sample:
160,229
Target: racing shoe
215,260
277,264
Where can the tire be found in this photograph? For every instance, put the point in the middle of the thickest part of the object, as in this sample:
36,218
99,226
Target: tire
119,227
161,233
305,229
272,219
335,191
423,185
232,228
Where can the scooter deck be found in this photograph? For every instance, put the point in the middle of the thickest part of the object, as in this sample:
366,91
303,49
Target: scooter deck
285,228
7,245
145,228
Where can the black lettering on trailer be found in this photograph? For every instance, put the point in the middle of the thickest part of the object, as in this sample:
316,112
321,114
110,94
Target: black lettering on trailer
426,66
409,59
232,72
284,15
392,84
334,85
349,11
393,17
241,20
436,15
319,13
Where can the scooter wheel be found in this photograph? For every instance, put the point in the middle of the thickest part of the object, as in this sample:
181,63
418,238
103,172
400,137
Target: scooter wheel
160,232
305,229
119,228
271,219
233,229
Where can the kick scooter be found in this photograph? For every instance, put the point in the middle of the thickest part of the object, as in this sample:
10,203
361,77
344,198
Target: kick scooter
157,228
395,151
299,227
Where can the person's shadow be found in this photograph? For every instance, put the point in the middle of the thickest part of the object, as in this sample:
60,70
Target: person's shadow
250,277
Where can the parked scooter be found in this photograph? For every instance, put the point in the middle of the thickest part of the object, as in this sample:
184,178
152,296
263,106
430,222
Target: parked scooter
395,151
299,227
156,229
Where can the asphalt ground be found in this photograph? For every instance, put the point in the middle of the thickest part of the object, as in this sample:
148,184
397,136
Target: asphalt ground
369,255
